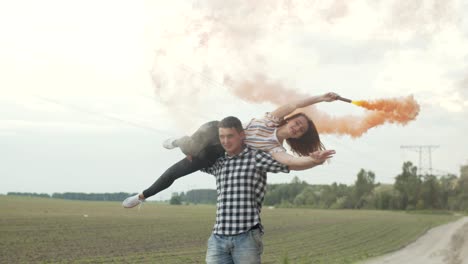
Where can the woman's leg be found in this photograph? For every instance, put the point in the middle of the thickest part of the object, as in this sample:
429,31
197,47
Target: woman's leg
180,169
203,146
206,135
208,157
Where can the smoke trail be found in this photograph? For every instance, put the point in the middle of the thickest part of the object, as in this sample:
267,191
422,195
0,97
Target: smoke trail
236,42
399,110
262,90
395,110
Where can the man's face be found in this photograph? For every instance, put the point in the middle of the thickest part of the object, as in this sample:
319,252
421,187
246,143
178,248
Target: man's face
231,140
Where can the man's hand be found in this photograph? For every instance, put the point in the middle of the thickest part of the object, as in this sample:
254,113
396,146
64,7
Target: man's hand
321,156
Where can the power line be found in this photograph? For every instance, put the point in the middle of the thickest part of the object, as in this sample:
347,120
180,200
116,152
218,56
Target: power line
425,156
107,116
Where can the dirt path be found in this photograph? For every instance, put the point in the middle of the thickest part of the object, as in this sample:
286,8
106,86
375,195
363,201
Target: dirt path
446,244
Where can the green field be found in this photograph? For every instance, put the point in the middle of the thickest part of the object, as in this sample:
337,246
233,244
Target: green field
37,230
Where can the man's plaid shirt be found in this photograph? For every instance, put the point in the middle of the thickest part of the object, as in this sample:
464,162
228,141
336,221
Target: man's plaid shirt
241,186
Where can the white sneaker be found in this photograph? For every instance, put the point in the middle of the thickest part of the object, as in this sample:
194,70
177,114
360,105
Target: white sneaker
169,143
132,201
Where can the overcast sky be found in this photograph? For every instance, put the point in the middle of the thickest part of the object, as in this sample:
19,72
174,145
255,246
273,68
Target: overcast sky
90,89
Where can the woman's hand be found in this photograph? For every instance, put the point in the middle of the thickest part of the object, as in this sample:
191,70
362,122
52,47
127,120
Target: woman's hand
321,156
329,97
303,163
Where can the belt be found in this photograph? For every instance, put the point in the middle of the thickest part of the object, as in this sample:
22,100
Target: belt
257,226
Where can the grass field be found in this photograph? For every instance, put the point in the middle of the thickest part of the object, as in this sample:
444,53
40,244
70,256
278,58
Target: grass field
37,230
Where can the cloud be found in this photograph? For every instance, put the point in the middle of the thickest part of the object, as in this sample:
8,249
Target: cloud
463,86
7,133
462,90
22,126
431,72
404,48
84,114
345,52
421,17
58,48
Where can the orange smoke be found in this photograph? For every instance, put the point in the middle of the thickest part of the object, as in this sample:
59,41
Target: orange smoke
395,110
399,110
261,90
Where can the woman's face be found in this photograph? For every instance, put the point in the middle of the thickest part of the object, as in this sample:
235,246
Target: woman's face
297,126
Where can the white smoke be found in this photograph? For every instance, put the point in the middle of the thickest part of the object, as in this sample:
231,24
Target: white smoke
241,40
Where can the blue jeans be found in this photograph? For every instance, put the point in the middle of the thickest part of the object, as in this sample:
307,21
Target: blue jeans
245,248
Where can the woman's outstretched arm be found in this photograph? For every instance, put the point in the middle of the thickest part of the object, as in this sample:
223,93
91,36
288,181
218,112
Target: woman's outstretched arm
287,109
303,163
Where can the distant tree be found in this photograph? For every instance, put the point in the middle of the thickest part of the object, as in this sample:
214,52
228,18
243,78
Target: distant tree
344,196
175,199
201,196
307,197
294,188
383,197
43,195
284,194
183,197
462,189
408,184
363,187
430,193
448,184
328,196
120,196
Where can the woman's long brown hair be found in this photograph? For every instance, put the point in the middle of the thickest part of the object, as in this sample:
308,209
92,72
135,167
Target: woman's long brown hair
308,142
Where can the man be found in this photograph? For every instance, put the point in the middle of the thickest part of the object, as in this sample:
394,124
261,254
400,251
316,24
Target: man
241,185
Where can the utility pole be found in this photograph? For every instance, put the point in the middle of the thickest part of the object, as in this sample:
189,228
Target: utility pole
425,156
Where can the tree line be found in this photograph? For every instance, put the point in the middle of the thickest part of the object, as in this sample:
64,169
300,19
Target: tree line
120,196
410,191
200,196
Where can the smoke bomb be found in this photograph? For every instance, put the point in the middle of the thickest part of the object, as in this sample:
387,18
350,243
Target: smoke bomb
344,99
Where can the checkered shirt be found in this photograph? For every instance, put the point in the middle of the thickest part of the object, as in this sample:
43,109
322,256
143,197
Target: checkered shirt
241,186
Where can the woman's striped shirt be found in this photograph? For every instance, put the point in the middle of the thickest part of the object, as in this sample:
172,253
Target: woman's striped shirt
260,133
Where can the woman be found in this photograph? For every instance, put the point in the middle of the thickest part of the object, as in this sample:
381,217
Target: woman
268,134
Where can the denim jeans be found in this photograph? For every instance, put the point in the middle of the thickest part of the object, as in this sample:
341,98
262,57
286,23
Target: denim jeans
245,248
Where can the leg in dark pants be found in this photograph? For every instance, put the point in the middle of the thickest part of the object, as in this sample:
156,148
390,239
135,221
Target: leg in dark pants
205,136
185,167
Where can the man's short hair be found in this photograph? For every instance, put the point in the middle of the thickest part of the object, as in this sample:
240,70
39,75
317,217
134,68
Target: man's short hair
231,122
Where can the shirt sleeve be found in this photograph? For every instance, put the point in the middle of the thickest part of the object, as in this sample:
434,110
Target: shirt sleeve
272,120
265,162
213,169
277,149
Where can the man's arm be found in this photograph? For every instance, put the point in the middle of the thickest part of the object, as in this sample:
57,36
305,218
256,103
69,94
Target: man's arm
265,162
303,163
213,169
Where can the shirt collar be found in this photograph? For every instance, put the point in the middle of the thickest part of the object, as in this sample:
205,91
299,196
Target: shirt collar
242,153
